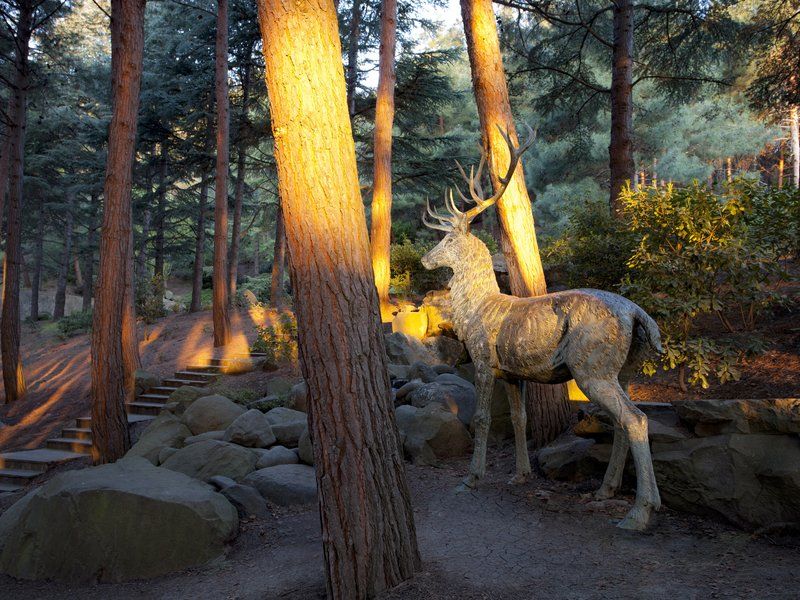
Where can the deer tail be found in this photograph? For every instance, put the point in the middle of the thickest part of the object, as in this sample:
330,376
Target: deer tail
650,328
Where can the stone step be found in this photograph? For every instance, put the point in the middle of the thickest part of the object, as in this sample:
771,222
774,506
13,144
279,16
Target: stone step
86,422
154,398
182,382
206,368
19,477
9,488
38,460
161,389
83,422
70,445
145,408
77,433
195,375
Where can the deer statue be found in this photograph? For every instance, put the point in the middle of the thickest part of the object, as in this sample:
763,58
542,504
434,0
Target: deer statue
597,338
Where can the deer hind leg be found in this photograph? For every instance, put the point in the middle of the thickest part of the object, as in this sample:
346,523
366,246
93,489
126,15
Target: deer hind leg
519,421
484,383
616,465
610,395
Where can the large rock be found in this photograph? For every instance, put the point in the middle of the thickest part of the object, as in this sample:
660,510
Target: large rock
453,392
144,381
298,397
573,458
285,484
305,450
402,349
277,455
164,431
121,521
421,371
211,413
246,499
205,459
445,349
714,417
431,433
202,437
750,480
184,396
287,425
251,429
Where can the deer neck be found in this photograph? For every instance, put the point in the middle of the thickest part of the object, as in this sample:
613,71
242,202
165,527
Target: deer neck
473,282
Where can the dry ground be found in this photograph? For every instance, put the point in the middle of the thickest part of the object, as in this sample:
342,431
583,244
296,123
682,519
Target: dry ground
539,540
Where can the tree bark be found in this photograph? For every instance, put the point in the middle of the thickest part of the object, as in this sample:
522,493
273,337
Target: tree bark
620,150
221,318
794,128
368,533
10,331
548,405
238,194
381,223
352,56
76,266
199,249
38,258
278,260
113,330
63,268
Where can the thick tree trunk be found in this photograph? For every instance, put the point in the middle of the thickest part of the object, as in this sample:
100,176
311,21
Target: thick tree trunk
13,378
63,268
381,224
5,159
141,258
113,331
76,267
369,540
38,258
620,150
161,207
352,56
548,405
278,260
238,194
199,249
221,318
257,254
794,128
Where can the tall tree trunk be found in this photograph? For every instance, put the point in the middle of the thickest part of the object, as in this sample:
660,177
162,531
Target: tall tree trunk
221,318
278,260
76,266
112,328
38,258
381,224
352,56
238,194
369,539
257,253
794,127
161,207
141,258
199,248
10,331
5,159
548,405
88,260
620,150
780,166
63,268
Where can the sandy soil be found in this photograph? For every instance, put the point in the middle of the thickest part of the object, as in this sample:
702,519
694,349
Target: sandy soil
539,540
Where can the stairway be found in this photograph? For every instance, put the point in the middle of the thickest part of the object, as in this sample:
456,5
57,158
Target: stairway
18,469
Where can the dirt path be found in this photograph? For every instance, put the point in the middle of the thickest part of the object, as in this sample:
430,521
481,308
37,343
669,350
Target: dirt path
539,540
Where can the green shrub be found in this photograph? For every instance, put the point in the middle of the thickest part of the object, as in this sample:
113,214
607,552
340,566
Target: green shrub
74,324
150,299
408,275
259,285
278,338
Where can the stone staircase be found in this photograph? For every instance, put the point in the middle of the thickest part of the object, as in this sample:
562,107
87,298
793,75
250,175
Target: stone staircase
18,469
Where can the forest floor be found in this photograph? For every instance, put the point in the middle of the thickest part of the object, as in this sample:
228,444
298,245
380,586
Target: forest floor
538,540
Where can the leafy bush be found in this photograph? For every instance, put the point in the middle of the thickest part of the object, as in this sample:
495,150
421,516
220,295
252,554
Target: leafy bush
260,286
408,274
74,324
150,299
278,338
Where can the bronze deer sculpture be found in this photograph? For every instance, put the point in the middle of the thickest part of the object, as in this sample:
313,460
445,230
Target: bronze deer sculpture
597,338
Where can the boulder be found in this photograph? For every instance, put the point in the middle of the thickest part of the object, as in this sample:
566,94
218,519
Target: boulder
239,365
251,429
715,417
277,455
208,435
280,386
445,349
406,389
397,371
250,299
285,484
205,459
287,425
573,458
211,413
423,372
431,433
184,396
116,522
750,480
298,397
144,381
164,431
220,482
402,349
247,500
165,454
305,451
457,394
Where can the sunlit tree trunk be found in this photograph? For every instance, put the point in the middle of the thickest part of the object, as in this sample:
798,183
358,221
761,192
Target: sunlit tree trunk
381,223
780,167
63,268
547,405
278,260
199,248
221,318
620,149
352,56
794,128
238,194
113,331
369,540
10,331
38,258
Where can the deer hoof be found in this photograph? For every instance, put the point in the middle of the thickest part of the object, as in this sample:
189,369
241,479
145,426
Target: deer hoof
518,479
604,493
637,519
468,485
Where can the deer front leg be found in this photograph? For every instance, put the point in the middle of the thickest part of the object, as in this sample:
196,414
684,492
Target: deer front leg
484,384
519,420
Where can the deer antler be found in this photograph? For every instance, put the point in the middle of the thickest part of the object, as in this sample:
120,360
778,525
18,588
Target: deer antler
445,223
474,178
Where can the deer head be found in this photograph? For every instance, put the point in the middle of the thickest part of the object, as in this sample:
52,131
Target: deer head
458,242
